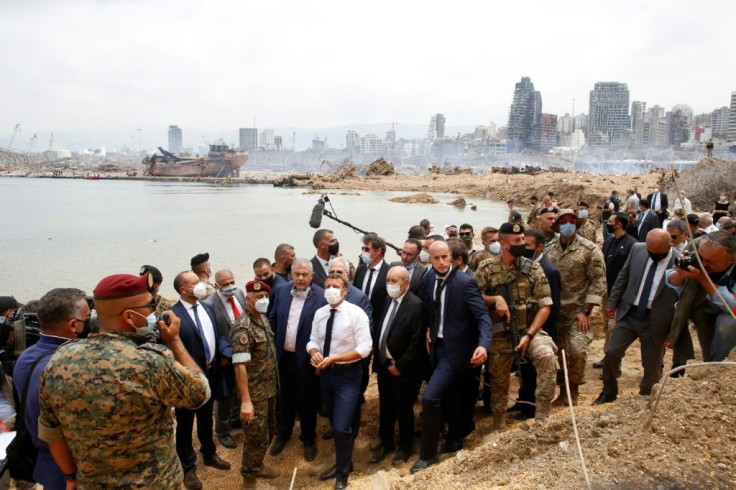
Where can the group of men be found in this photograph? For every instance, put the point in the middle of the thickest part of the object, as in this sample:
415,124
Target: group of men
304,336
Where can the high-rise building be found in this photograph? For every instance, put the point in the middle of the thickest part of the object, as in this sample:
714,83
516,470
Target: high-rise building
523,115
564,124
174,139
267,136
492,130
719,122
278,143
609,113
679,125
732,119
352,141
248,138
370,144
436,127
391,138
685,111
655,111
580,122
545,133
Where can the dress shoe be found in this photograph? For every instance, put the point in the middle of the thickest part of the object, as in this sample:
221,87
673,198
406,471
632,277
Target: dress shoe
603,398
310,452
380,454
517,407
450,448
423,464
524,415
227,441
401,456
277,447
267,473
332,473
191,482
341,483
330,434
598,364
216,462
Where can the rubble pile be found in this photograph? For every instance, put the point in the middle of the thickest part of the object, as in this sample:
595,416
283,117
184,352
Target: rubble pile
459,202
380,167
422,198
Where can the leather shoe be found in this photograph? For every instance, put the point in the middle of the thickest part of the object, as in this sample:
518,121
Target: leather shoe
330,434
598,364
401,456
332,473
340,484
423,464
216,462
516,407
603,398
380,454
191,482
450,448
277,447
227,441
524,415
310,452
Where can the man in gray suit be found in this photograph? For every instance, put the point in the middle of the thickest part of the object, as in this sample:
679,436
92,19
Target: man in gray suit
410,260
229,303
644,308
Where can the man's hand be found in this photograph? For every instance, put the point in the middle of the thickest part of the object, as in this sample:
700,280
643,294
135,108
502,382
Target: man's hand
583,322
316,359
523,345
611,313
429,340
392,369
502,308
71,485
247,412
325,363
479,356
171,332
668,343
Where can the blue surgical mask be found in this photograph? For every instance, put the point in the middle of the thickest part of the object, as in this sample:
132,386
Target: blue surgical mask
151,319
495,248
582,213
568,229
365,257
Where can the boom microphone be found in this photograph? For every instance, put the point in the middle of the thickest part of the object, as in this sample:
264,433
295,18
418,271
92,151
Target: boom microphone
319,209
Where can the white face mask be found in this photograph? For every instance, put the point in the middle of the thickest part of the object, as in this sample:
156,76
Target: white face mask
262,305
333,295
424,256
495,248
393,290
200,290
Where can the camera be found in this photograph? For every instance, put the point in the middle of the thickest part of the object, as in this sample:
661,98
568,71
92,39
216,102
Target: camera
685,261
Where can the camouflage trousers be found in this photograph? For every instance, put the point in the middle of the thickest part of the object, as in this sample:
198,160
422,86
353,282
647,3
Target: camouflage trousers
541,351
574,342
258,435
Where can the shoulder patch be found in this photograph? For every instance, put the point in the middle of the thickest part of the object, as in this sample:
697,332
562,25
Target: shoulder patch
158,348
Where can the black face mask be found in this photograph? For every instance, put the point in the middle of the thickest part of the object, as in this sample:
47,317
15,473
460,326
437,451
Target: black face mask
656,257
85,331
609,228
269,281
529,253
467,240
517,250
334,249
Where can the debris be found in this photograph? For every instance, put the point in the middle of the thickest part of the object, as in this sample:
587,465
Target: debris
421,198
380,167
459,202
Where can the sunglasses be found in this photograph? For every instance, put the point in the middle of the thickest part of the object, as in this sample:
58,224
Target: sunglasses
465,233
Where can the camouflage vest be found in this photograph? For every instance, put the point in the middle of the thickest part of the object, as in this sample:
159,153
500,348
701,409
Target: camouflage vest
500,282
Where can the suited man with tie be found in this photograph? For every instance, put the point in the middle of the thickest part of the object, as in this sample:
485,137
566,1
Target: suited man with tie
398,348
410,260
211,350
646,221
659,203
228,302
459,340
290,315
644,308
370,276
327,247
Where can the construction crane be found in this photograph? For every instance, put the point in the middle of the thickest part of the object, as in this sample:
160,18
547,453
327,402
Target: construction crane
16,130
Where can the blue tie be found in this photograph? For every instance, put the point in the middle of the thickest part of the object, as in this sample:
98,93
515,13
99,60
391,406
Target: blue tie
201,334
641,308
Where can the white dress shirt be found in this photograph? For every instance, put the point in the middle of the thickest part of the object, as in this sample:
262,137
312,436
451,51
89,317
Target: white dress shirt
204,320
385,323
325,264
292,322
658,276
440,331
350,330
229,306
656,202
373,278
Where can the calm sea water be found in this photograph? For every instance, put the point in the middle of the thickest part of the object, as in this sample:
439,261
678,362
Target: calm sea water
72,233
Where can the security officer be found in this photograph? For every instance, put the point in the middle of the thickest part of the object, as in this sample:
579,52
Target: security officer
586,226
517,290
256,372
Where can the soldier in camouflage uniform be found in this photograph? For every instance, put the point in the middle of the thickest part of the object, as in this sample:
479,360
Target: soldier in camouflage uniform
586,227
531,220
106,400
256,372
583,272
162,304
518,289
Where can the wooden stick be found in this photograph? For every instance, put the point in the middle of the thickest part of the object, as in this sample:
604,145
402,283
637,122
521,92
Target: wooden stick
574,425
293,478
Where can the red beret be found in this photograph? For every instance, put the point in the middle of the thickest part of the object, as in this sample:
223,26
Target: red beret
257,287
123,286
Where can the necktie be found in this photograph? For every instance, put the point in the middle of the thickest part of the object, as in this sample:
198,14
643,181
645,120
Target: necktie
368,283
201,335
382,350
328,333
438,304
236,311
641,308
654,200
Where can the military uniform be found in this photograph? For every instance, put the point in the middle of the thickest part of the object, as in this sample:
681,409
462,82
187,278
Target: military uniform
583,272
531,220
109,397
588,230
528,286
163,305
254,344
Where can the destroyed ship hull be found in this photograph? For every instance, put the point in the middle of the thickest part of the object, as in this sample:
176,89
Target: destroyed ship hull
225,163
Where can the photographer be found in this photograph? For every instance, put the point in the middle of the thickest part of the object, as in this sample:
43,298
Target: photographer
712,317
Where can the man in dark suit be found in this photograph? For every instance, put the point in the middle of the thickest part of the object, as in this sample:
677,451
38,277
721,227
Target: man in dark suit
646,221
398,348
644,308
228,302
459,340
370,276
263,271
327,247
459,253
290,314
659,203
410,260
211,350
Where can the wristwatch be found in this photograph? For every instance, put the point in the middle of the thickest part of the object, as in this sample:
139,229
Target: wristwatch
585,312
70,476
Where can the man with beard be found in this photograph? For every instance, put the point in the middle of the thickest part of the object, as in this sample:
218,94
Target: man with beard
327,247
264,272
283,258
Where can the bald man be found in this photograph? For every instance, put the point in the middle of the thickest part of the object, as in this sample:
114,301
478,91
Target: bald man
643,307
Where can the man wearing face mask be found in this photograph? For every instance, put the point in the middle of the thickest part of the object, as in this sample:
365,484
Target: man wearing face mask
63,314
466,234
201,266
643,308
212,352
512,280
122,389
327,247
254,357
659,203
583,272
677,230
586,227
370,276
264,272
546,222
340,338
228,302
489,237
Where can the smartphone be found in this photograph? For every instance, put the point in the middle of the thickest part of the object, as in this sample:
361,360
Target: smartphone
166,319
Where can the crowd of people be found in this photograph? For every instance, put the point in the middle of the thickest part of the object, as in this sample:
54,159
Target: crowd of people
303,336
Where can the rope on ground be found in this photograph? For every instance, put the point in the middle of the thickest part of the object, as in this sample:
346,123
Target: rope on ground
574,424
293,477
666,376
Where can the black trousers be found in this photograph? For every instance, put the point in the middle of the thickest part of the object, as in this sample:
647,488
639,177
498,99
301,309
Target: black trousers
298,393
340,392
396,395
184,426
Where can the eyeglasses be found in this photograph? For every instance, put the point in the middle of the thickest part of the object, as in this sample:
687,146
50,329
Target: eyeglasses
674,237
366,249
465,233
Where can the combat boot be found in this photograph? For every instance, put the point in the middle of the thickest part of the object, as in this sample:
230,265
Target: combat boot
561,400
542,411
499,421
249,482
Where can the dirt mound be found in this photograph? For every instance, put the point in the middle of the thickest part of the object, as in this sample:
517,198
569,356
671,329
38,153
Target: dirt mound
459,202
703,182
380,167
422,198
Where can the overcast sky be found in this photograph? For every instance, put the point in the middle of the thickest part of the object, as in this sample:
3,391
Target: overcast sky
120,65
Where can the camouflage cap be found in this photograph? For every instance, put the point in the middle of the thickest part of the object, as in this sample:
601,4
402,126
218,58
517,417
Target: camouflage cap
565,212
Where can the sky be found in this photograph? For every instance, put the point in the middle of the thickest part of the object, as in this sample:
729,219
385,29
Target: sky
103,69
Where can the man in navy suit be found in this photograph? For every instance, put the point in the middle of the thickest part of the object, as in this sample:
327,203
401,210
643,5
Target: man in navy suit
327,247
646,221
459,340
211,350
263,271
290,314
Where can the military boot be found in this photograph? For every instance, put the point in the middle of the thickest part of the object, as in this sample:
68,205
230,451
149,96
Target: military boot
249,482
499,421
542,411
561,400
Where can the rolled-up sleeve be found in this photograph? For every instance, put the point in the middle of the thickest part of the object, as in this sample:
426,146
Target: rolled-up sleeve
362,332
174,384
316,338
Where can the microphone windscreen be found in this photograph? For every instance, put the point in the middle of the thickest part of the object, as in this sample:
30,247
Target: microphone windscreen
316,219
